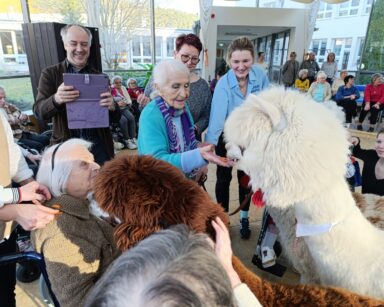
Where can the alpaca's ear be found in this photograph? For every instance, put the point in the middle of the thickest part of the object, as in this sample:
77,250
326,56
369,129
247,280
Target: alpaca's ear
277,118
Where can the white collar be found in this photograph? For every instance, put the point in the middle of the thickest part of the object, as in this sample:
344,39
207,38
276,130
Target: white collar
303,230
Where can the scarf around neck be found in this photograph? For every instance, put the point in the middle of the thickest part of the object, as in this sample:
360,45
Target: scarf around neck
188,136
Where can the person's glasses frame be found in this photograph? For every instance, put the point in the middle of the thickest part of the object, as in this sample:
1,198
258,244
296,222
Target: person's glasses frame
185,58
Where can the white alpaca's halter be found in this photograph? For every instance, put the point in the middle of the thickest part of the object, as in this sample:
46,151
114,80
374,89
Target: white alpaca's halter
307,230
303,230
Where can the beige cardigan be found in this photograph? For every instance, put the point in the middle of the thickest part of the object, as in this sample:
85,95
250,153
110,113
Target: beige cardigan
77,247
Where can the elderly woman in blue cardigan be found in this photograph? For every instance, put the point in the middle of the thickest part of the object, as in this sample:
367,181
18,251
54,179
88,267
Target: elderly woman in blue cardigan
166,128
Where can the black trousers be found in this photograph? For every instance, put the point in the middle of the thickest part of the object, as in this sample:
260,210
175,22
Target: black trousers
35,141
374,113
8,274
223,180
349,106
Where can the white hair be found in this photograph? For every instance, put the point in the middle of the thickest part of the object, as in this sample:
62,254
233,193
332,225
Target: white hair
321,74
129,80
302,72
64,31
165,70
56,179
116,77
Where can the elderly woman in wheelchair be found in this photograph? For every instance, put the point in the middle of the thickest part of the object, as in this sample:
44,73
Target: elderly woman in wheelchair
77,246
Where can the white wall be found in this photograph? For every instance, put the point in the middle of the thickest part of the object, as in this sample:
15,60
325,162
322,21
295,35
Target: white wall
295,19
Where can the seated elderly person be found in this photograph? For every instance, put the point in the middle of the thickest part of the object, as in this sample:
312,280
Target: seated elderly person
127,120
166,129
18,122
337,83
77,246
346,97
133,90
320,90
175,267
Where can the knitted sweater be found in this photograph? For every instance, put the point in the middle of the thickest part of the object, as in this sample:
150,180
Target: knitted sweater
78,247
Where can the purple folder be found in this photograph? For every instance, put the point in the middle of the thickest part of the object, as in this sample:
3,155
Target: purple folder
85,111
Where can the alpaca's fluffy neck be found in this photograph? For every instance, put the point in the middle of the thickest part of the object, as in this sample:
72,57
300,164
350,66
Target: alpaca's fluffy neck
333,205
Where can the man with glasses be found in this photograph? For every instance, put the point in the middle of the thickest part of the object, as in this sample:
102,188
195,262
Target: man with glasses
53,94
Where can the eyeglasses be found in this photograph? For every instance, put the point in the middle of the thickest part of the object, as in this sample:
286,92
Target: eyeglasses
185,58
53,156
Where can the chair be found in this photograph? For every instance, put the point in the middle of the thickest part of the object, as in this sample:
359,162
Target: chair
380,117
45,285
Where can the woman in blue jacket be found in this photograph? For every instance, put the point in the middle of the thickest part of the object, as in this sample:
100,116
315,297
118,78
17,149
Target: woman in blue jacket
346,97
231,90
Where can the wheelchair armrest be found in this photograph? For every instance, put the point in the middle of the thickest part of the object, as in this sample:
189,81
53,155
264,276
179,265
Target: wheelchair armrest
20,257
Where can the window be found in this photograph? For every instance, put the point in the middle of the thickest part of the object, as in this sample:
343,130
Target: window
19,42
350,8
359,52
136,46
367,6
146,46
158,42
6,42
319,47
325,11
170,46
342,49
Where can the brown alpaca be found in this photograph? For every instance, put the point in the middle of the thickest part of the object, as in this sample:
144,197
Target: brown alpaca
147,195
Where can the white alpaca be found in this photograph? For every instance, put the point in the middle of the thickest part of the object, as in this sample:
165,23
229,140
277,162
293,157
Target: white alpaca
296,150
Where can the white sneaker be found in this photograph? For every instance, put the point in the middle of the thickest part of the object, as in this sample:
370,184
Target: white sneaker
134,140
131,144
118,145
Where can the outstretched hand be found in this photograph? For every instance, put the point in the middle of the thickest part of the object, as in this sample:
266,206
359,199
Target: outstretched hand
207,152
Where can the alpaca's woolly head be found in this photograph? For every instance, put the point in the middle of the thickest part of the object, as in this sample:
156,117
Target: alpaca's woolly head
290,146
148,195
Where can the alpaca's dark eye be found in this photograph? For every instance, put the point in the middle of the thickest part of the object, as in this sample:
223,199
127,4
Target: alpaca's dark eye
242,149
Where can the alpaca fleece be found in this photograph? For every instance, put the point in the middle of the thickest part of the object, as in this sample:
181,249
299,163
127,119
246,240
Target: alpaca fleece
147,195
295,151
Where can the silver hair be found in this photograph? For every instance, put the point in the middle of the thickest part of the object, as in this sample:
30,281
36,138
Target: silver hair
116,77
165,70
321,74
56,180
377,76
64,31
129,80
173,267
302,72
2,88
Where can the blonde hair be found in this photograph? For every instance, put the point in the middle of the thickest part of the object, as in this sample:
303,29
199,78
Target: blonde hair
240,43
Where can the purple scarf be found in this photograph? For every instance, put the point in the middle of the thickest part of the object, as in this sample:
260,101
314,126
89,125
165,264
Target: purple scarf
188,129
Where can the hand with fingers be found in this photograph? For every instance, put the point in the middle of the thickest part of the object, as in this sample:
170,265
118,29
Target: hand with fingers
35,216
66,93
223,250
34,158
208,154
354,140
107,100
34,191
143,100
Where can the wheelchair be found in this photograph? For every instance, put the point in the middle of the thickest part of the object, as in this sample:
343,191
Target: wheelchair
44,284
